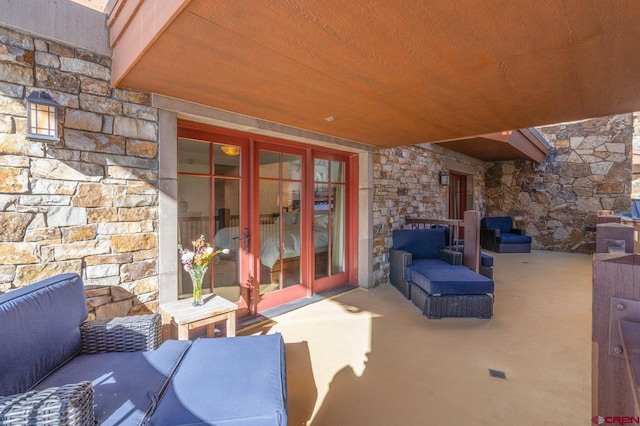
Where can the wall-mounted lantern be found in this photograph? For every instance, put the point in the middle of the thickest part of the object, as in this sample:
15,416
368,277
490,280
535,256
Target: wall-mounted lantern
444,178
42,117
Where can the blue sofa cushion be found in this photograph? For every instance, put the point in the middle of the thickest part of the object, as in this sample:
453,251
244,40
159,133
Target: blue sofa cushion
457,280
509,238
213,381
126,384
421,243
39,330
503,223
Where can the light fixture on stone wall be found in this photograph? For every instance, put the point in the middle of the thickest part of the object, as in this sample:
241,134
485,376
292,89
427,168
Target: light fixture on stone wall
444,178
230,150
42,117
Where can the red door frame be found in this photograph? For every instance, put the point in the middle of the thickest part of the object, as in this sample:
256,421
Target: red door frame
249,142
350,274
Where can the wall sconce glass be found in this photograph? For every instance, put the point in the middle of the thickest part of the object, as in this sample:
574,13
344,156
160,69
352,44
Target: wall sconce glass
231,150
42,117
444,178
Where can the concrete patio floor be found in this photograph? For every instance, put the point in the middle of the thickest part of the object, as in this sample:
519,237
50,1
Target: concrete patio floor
368,357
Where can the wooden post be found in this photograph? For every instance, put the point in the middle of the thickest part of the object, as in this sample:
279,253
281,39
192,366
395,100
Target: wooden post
471,251
614,275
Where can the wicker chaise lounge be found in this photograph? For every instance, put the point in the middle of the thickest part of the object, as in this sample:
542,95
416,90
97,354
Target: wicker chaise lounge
432,277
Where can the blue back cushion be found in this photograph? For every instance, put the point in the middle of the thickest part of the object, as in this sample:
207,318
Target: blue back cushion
503,223
421,243
39,330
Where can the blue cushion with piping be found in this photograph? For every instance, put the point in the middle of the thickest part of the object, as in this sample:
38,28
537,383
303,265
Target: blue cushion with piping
211,384
39,330
503,223
508,238
421,243
127,385
459,280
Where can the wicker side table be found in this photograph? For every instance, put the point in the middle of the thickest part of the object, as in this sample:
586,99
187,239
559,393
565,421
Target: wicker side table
187,317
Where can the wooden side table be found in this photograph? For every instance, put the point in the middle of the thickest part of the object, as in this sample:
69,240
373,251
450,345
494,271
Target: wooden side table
186,317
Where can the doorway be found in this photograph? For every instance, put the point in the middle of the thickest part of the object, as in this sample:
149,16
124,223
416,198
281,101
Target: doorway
282,209
457,198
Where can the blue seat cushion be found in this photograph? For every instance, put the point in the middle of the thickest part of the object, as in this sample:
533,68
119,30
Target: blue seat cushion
216,375
428,263
126,384
508,238
421,243
503,223
457,280
39,330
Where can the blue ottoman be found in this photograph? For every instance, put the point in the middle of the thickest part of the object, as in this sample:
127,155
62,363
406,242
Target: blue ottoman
212,384
451,292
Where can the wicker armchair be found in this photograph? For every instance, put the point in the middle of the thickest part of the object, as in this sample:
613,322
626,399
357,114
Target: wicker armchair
418,247
72,404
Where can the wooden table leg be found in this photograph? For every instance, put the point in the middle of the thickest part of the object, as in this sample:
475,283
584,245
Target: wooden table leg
211,330
231,324
183,332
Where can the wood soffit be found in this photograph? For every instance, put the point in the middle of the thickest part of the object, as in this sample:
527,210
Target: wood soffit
393,72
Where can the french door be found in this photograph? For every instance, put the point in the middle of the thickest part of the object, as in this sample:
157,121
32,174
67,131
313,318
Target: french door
281,209
329,224
213,202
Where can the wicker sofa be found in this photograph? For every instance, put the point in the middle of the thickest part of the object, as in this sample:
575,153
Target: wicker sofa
432,276
498,234
58,368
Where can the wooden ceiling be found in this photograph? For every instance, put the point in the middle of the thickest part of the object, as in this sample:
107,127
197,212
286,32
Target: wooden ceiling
393,72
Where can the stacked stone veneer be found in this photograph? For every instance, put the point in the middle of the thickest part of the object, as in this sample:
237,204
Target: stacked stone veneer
406,182
588,169
88,203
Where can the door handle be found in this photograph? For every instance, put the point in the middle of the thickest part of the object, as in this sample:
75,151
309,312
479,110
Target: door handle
245,239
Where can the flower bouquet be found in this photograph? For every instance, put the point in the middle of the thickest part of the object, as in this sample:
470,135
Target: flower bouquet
196,263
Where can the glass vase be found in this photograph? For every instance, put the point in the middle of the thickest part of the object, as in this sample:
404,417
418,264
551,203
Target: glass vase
197,274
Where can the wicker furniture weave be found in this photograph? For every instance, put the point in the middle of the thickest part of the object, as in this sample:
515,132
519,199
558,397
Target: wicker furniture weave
65,405
73,404
453,305
123,334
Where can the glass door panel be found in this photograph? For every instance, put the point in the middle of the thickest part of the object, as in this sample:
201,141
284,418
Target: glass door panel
209,204
329,217
280,236
193,221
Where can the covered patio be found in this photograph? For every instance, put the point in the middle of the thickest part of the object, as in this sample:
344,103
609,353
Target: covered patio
370,357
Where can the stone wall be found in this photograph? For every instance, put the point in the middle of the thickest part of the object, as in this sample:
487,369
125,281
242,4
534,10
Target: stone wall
406,183
88,203
588,169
